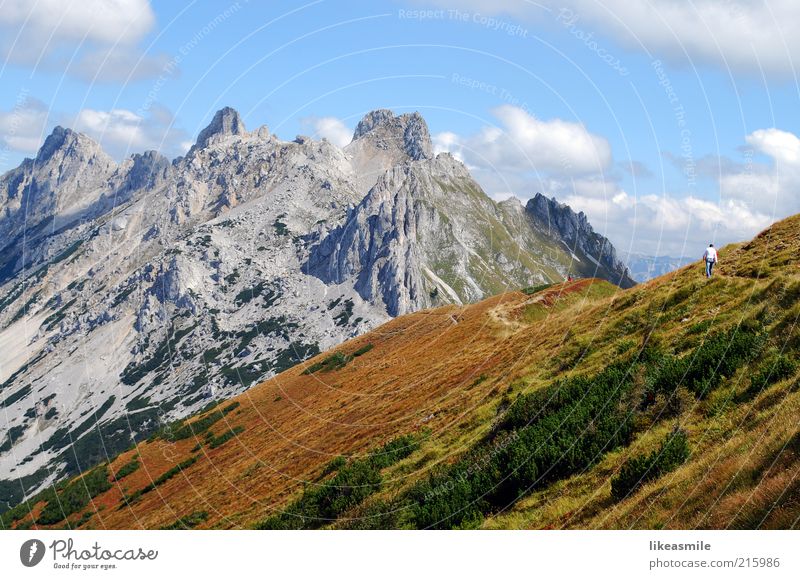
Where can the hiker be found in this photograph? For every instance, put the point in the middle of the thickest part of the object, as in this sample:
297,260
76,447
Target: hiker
710,257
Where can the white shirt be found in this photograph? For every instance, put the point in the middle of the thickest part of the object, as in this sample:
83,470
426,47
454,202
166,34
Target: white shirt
710,254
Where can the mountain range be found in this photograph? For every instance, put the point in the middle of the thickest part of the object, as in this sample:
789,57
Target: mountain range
669,405
134,294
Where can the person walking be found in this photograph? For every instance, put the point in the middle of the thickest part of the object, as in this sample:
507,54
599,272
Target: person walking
710,257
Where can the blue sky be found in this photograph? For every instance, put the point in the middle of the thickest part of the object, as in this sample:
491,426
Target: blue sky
670,124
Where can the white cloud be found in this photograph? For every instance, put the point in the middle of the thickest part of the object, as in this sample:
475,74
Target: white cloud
523,143
22,128
122,132
527,155
329,128
782,146
746,35
96,40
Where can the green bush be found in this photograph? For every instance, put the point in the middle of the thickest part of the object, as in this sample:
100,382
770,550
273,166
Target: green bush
773,370
672,453
75,496
332,466
336,361
702,370
323,503
225,436
126,500
188,522
530,290
182,431
127,468
544,436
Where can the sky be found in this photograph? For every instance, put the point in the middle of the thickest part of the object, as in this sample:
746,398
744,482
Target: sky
670,124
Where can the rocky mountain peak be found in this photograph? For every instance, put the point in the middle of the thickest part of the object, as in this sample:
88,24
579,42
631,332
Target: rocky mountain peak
407,132
561,222
226,122
66,140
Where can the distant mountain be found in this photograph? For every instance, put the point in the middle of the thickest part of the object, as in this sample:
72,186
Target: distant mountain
133,294
646,267
672,405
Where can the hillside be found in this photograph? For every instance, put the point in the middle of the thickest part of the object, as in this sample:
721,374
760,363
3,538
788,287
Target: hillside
673,404
136,293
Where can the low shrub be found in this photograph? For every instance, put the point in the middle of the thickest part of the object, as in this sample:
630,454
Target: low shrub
216,441
672,453
126,469
355,481
75,496
771,371
188,522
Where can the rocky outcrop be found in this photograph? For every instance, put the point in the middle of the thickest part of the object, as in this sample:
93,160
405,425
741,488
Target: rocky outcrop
69,174
226,122
572,229
407,133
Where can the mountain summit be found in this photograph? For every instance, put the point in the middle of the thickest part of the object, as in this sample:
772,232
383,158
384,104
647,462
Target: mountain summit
226,122
184,282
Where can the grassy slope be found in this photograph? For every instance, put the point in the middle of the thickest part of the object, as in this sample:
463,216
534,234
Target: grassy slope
445,375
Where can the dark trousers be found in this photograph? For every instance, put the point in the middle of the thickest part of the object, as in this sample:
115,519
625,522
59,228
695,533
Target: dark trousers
709,267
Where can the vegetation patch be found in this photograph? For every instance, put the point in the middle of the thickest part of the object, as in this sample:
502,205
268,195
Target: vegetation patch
161,356
127,468
293,355
535,289
336,361
217,441
182,431
249,294
355,481
343,317
14,434
16,396
672,453
178,468
188,522
75,496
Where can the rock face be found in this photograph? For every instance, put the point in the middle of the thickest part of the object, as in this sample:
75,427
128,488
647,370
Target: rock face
226,122
574,230
58,187
135,293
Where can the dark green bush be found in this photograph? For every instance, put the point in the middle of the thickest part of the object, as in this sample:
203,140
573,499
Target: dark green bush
182,431
323,503
773,370
672,453
703,369
334,465
336,361
127,468
534,289
75,496
544,436
159,481
188,522
225,436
